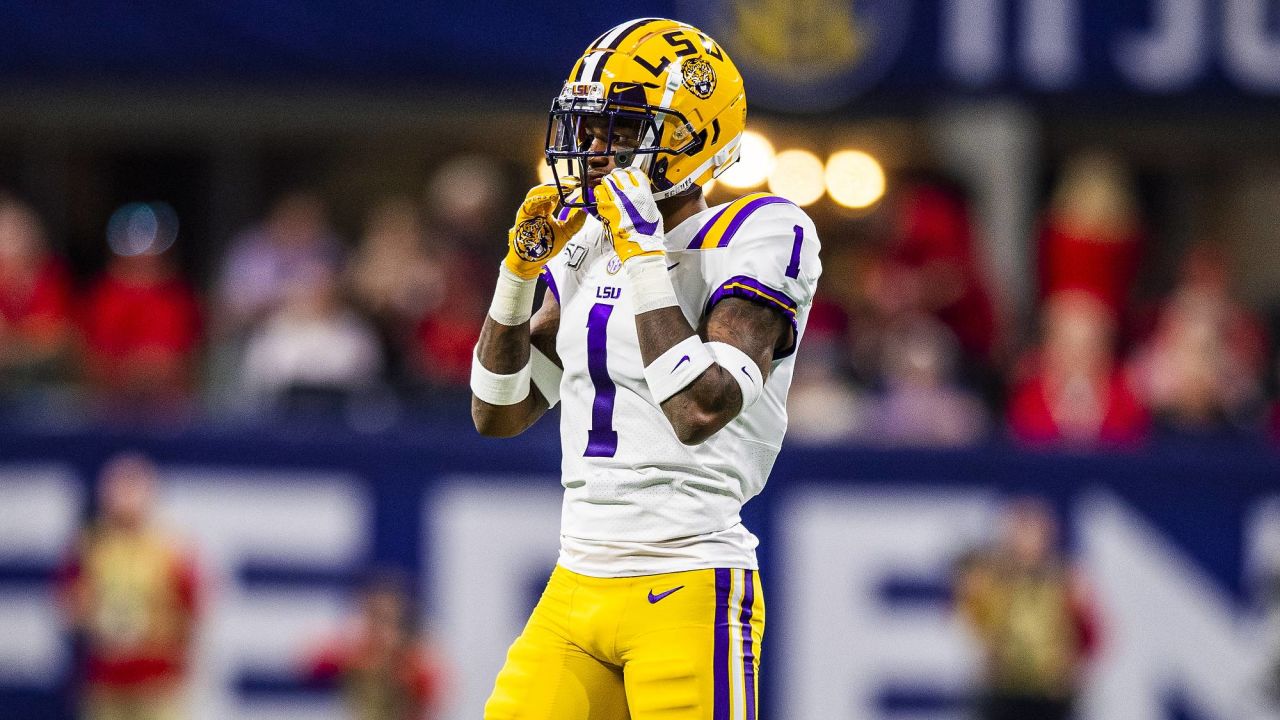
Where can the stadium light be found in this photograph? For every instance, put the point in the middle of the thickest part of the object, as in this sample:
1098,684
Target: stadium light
754,164
798,176
854,179
142,229
544,170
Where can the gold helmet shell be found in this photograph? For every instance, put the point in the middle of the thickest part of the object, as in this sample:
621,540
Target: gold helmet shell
674,85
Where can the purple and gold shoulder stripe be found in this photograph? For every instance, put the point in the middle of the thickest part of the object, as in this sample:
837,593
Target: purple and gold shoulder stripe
748,288
718,232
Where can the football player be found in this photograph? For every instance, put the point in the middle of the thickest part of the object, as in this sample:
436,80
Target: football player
668,334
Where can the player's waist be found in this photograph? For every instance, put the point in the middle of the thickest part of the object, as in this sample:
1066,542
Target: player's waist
733,546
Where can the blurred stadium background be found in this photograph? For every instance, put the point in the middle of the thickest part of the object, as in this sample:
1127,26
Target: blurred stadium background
254,243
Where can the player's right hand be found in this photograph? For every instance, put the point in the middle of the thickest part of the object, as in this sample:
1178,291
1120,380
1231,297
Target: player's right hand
538,234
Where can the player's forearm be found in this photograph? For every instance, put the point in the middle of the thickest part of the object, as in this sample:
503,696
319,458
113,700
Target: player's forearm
504,350
502,401
705,405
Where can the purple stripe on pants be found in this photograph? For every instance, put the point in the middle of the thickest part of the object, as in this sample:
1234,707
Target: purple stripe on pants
724,583
748,658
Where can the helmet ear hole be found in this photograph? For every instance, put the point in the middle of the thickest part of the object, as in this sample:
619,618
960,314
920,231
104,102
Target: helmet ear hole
658,176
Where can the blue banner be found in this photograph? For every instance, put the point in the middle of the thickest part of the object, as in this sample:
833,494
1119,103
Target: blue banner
798,55
857,552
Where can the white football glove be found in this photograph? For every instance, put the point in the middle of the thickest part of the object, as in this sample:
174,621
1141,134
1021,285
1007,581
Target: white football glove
625,204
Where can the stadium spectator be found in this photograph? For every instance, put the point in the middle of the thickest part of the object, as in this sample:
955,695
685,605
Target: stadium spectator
823,406
395,276
131,593
314,353
142,328
921,405
36,325
463,195
380,662
931,267
1073,393
265,260
1091,234
1031,615
1200,371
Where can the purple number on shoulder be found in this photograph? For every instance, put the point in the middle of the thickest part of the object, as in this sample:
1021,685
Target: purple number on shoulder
793,270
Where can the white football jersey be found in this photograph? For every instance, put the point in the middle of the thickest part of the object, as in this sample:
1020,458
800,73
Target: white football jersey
637,501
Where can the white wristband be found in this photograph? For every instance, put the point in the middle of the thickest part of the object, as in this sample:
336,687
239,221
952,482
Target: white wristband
498,389
742,368
650,284
546,376
512,299
675,369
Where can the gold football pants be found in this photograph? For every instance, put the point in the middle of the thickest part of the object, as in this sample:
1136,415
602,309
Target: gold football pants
675,646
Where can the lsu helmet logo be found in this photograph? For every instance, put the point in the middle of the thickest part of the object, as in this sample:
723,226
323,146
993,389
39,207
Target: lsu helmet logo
699,77
807,54
534,239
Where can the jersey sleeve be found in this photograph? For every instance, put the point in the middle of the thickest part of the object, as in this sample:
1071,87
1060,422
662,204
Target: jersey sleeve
771,259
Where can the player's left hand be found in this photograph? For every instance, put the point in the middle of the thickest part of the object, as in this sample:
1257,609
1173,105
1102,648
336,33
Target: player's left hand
625,204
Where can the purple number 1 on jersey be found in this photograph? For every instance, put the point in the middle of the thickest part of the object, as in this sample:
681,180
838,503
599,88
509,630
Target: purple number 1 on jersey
602,439
793,270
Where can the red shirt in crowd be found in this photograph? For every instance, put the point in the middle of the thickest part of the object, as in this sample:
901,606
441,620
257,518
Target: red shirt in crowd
1037,417
936,239
139,317
39,306
1103,267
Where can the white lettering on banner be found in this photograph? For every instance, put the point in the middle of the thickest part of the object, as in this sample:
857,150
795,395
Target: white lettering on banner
1251,55
1165,625
973,40
1050,43
839,549
293,520
1263,567
1175,54
33,652
488,542
40,510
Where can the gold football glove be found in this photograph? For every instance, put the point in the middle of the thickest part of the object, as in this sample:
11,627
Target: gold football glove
538,233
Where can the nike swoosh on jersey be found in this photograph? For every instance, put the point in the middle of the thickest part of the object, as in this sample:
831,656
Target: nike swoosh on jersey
655,598
642,226
683,360
672,266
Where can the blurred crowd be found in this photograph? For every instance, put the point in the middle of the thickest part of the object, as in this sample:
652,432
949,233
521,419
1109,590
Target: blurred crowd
131,592
909,343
